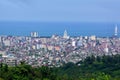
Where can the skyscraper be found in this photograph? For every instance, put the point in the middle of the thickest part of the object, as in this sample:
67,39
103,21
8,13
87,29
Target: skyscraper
34,34
116,30
65,35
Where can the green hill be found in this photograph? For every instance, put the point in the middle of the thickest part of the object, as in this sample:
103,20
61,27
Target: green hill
92,68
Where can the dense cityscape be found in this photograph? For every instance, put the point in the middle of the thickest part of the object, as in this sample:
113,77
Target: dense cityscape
59,39
56,50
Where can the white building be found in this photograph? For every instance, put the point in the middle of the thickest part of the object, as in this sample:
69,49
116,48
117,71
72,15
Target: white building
34,34
73,43
65,35
106,49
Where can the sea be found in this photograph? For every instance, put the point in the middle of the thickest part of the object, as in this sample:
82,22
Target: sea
100,29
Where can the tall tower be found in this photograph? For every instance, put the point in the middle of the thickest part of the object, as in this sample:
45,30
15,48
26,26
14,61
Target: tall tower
116,30
65,34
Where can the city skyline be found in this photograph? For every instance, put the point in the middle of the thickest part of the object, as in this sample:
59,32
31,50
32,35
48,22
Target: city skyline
65,33
59,39
74,29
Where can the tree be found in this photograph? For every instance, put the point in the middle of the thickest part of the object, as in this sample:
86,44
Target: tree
1,79
102,76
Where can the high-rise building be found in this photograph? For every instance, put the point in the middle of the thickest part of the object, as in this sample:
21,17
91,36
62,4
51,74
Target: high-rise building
65,35
34,34
116,30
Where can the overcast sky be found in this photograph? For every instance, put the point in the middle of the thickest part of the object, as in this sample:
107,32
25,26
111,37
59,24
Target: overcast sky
60,10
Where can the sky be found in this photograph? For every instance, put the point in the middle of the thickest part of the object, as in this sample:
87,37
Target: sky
79,17
60,10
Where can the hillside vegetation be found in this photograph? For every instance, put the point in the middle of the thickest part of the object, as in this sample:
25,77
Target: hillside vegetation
92,68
